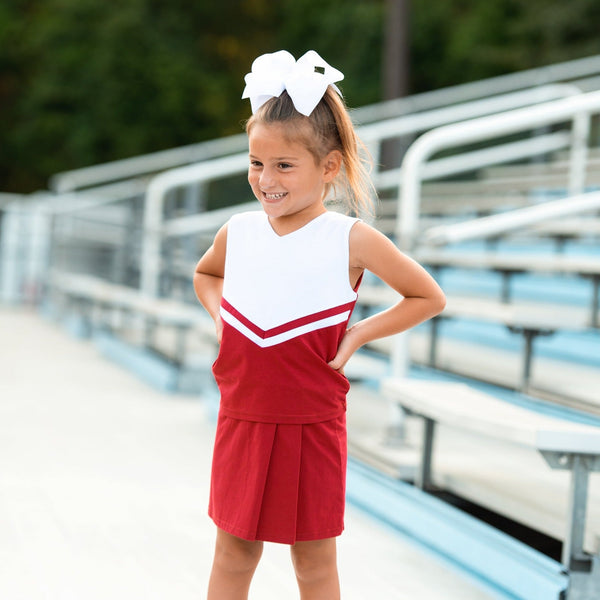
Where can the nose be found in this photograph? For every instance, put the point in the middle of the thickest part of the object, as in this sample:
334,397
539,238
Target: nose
266,179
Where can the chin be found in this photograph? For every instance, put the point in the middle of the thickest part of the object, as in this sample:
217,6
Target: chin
273,209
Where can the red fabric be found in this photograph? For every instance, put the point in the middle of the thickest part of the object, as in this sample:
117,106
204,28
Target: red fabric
279,482
287,383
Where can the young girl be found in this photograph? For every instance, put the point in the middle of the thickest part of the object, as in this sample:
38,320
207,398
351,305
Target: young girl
280,285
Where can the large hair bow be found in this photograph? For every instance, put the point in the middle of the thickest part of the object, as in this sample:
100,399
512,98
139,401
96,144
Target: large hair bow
305,80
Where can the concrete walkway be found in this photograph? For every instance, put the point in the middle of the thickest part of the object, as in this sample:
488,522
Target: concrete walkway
104,485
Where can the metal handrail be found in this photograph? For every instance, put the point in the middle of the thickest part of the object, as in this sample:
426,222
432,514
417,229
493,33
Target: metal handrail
146,164
422,121
490,226
153,213
493,225
577,109
477,159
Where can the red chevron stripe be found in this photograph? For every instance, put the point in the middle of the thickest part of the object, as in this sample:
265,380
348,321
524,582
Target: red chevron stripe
264,334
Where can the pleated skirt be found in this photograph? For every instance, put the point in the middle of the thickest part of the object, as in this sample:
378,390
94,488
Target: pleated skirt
278,482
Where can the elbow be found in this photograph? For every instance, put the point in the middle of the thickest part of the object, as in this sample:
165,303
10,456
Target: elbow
438,303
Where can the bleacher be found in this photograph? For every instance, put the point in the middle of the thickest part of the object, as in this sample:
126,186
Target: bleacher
490,412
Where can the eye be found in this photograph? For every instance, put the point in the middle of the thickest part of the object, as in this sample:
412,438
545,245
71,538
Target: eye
284,166
255,163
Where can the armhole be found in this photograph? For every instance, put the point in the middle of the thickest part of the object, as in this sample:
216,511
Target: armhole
353,286
226,230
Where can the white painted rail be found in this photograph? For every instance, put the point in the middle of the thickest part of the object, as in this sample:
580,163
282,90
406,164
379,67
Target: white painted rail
576,110
511,221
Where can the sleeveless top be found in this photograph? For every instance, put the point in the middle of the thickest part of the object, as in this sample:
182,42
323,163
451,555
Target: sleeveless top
285,308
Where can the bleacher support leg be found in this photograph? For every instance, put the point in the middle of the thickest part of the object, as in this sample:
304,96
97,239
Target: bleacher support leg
149,330
595,301
573,556
505,288
528,337
433,339
423,475
583,568
180,344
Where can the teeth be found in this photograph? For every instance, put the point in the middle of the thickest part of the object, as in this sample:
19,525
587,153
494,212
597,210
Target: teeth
274,196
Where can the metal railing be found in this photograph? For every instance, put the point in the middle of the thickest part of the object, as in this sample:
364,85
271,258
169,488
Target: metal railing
146,165
493,225
577,110
154,210
417,123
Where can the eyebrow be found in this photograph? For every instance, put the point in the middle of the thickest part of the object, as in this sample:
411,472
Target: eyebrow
277,158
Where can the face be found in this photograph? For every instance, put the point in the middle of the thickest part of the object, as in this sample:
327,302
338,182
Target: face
284,175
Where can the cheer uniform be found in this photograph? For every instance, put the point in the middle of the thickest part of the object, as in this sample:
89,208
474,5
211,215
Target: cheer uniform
279,462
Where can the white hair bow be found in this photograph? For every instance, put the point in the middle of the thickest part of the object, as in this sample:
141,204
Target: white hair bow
305,79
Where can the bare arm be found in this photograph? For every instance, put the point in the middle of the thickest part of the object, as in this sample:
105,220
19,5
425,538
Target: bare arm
208,278
422,297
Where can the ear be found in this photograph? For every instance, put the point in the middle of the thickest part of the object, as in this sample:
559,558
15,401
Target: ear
332,164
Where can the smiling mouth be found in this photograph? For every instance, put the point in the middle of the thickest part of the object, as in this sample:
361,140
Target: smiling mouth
274,196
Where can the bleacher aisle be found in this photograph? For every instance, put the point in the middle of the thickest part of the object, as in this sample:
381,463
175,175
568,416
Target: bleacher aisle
104,485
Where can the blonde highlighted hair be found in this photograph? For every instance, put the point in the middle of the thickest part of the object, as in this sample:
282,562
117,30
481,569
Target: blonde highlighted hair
328,128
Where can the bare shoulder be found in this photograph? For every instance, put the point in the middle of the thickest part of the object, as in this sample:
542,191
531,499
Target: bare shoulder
213,260
220,241
368,245
372,250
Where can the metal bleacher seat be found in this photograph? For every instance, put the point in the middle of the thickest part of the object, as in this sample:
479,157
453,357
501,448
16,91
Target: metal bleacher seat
564,445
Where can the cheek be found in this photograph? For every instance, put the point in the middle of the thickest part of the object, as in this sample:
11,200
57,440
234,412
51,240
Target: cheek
253,180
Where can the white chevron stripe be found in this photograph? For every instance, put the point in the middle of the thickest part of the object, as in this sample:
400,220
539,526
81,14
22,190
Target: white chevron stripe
286,335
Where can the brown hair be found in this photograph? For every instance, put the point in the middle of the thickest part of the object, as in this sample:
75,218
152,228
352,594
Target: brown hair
328,128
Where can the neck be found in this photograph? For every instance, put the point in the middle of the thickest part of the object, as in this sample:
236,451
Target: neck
290,223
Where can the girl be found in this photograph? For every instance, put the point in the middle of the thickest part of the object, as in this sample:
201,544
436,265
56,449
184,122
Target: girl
280,285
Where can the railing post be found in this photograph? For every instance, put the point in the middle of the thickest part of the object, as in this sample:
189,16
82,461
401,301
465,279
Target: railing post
152,239
409,198
423,475
580,133
400,355
573,556
583,568
154,209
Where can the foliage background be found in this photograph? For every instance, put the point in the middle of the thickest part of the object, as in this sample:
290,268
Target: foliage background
88,81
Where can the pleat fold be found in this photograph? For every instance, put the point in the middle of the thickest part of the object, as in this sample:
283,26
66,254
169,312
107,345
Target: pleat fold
279,482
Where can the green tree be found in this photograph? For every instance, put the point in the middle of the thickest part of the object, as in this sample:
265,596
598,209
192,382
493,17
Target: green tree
88,81
465,40
105,82
14,58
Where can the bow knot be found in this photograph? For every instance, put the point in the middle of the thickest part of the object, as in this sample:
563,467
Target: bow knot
305,80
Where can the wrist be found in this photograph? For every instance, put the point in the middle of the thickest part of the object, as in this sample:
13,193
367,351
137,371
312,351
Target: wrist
353,337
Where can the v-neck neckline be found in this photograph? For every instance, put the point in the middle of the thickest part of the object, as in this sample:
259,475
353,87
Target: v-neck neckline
294,231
